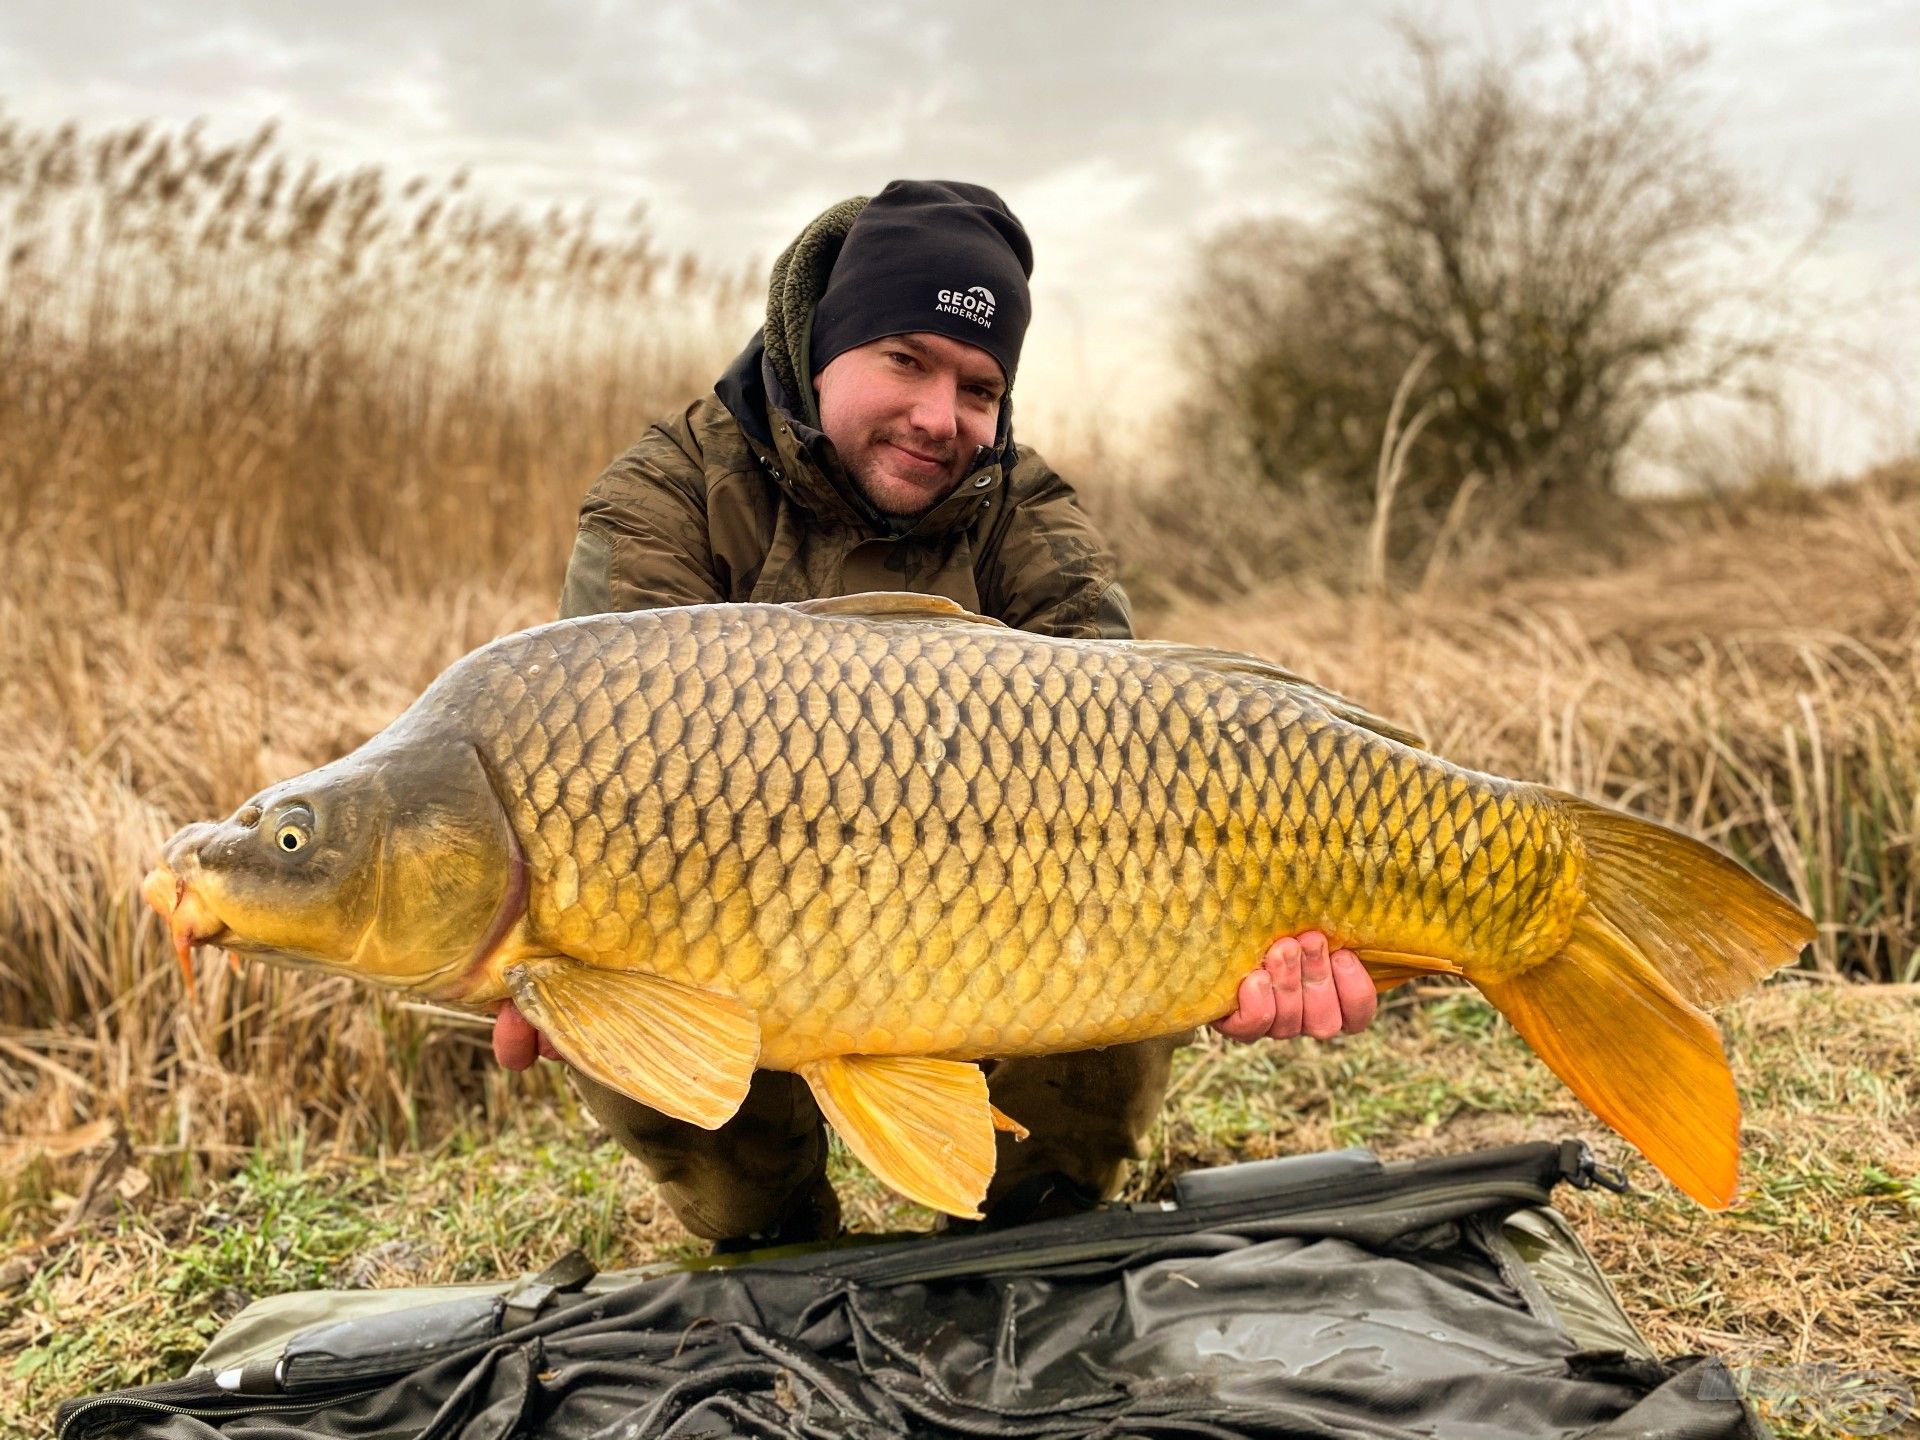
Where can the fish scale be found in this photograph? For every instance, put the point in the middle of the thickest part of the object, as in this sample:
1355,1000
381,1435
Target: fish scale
868,839
835,820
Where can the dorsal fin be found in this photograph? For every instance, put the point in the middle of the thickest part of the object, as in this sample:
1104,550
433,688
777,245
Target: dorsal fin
1234,662
893,605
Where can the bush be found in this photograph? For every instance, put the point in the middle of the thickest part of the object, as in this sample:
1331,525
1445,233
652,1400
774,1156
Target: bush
1545,250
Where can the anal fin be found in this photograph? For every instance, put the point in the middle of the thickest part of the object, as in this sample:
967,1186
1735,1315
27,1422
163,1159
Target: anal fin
1389,968
925,1127
687,1053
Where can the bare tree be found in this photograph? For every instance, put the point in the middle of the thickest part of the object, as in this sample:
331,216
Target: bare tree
1555,230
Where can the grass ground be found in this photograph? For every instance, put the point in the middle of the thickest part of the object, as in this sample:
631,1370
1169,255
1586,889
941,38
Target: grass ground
276,453
1818,1263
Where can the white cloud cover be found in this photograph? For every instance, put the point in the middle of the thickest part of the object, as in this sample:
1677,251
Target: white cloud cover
1121,132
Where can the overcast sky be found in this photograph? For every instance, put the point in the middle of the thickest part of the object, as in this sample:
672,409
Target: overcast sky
1119,132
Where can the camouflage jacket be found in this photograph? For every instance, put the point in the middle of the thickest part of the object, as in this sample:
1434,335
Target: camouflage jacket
735,498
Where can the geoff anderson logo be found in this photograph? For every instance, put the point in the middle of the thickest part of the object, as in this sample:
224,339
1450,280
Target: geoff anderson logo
975,302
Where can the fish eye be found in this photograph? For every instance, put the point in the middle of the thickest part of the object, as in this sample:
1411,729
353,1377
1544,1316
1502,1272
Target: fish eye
295,830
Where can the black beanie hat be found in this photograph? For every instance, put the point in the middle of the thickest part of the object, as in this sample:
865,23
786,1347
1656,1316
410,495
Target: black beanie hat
933,255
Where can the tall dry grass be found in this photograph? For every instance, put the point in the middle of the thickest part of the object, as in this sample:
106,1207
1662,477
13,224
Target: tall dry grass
1751,674
275,446
226,372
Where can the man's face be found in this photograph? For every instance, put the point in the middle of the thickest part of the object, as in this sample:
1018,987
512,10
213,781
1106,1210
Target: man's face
906,414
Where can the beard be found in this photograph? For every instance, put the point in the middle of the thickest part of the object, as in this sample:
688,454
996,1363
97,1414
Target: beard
895,484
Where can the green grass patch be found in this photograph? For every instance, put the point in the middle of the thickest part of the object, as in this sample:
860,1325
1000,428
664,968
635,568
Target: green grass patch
135,1300
1817,1263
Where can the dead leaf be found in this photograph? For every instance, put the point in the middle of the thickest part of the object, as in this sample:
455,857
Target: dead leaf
20,1269
17,1151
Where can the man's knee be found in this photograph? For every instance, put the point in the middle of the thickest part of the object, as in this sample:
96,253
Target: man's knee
764,1171
1089,1113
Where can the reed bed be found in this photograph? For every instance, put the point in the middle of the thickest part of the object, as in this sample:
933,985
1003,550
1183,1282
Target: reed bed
1752,675
279,445
227,371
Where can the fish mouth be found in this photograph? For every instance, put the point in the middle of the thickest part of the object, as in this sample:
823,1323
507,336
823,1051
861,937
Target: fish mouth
189,918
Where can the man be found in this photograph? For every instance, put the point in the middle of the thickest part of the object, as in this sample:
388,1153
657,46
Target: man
863,441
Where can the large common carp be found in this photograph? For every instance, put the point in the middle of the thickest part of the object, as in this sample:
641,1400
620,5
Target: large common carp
872,838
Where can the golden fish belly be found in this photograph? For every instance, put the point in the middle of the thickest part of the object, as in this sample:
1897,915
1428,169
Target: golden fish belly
948,838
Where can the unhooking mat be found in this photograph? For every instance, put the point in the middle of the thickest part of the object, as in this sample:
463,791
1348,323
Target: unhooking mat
1317,1296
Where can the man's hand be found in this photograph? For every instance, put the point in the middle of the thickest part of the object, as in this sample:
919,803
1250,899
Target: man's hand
516,1044
1301,989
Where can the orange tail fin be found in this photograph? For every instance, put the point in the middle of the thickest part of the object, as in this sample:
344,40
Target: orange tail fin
1669,928
1642,1059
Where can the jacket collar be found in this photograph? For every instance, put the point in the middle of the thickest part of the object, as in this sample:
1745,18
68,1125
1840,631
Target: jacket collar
802,462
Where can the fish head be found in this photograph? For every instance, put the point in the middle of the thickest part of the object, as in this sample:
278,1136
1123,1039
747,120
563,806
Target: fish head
395,865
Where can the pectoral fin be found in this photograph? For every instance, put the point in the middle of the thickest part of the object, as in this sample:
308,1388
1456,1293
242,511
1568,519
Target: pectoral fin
923,1126
687,1053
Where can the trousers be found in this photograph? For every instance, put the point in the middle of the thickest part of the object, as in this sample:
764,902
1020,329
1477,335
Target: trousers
763,1174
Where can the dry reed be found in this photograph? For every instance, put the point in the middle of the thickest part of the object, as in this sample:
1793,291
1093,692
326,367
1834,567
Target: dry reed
280,445
226,372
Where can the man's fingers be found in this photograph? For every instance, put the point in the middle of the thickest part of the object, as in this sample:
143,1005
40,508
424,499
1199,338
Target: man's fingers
1358,999
1319,1001
516,1044
1303,987
1283,966
547,1052
1254,1012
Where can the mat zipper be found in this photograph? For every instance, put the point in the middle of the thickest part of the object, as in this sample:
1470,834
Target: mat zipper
125,1404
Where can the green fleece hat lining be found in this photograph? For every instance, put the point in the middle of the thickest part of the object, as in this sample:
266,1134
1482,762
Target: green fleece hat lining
799,279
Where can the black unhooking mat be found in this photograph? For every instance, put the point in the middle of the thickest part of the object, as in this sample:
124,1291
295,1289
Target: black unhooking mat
1319,1296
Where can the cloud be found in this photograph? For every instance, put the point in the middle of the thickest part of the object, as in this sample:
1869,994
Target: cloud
1121,132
